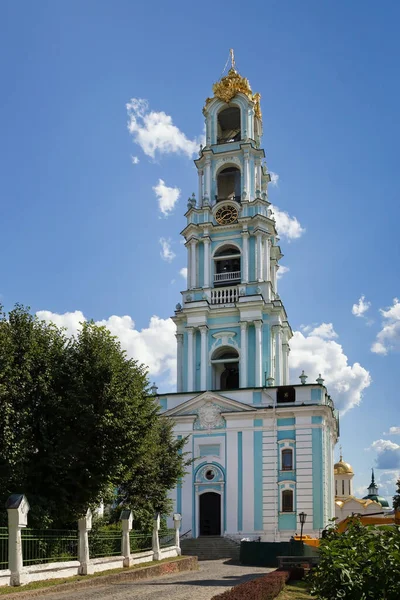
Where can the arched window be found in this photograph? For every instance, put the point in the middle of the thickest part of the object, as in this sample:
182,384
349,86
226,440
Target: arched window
229,125
228,184
225,369
227,266
287,501
287,459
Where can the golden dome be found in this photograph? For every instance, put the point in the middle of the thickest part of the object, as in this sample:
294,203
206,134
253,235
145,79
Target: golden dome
343,468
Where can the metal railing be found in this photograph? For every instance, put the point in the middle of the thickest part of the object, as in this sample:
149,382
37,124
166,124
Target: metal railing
227,276
167,538
226,295
49,545
105,543
140,542
3,548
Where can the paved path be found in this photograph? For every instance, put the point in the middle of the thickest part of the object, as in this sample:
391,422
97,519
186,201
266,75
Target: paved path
213,577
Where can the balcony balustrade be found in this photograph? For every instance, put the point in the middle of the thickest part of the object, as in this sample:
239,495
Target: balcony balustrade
228,295
227,276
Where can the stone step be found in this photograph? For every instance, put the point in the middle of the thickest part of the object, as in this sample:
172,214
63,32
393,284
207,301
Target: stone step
210,548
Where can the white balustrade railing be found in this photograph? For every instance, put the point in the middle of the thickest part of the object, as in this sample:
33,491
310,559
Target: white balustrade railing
229,276
226,295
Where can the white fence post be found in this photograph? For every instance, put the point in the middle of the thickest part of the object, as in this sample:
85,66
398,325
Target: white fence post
84,526
17,508
156,540
126,519
177,524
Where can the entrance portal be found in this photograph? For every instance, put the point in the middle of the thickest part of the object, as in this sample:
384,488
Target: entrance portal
210,514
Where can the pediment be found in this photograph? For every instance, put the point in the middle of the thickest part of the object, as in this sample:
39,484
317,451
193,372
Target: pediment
192,407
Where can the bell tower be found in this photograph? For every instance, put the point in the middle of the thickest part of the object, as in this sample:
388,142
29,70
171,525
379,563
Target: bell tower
232,328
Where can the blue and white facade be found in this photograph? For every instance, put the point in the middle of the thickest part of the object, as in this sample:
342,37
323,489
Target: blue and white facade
263,449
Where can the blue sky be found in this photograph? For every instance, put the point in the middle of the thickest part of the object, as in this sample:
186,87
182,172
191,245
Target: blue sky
81,224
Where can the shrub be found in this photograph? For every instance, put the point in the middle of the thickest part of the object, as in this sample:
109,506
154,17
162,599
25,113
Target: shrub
363,563
262,588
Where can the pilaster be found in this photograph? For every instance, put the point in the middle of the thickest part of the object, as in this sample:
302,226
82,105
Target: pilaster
243,354
203,362
179,361
190,351
258,354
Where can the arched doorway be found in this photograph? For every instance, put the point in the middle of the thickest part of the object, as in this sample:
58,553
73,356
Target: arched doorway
210,513
225,369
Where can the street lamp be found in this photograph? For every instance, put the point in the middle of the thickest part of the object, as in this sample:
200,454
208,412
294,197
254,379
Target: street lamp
302,517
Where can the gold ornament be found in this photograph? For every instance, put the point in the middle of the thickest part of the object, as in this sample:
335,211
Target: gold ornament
232,84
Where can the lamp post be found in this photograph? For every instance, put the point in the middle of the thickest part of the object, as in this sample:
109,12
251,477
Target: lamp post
302,517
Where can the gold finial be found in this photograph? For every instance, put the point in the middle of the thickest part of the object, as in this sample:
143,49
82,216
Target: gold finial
232,59
341,457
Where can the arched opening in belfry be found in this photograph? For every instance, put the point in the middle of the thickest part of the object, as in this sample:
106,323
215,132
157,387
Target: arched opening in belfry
227,266
228,129
228,184
225,368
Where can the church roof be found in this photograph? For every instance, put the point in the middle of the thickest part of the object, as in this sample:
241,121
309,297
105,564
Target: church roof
375,498
342,468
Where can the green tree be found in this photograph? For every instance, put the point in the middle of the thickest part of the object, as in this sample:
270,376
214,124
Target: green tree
363,563
76,421
396,497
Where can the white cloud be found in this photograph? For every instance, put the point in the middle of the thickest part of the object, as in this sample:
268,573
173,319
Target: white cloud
166,253
154,346
155,132
287,226
274,178
70,320
183,272
315,351
360,308
281,271
393,431
167,197
388,454
135,160
389,336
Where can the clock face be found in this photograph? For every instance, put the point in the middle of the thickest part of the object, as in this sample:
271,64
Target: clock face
226,215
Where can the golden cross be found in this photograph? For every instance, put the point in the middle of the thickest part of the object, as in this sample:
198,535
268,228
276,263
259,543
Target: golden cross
232,58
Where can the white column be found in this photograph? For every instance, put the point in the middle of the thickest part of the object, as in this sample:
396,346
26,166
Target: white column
156,540
84,526
245,257
206,242
193,282
258,378
126,521
190,354
177,524
207,183
200,192
273,274
17,509
243,354
179,362
285,363
203,359
246,181
258,174
259,257
278,354
189,265
267,270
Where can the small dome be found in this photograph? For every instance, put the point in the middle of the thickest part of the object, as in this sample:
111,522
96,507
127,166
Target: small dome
343,468
382,501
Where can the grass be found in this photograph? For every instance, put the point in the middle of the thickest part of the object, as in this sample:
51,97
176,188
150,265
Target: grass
296,590
37,585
